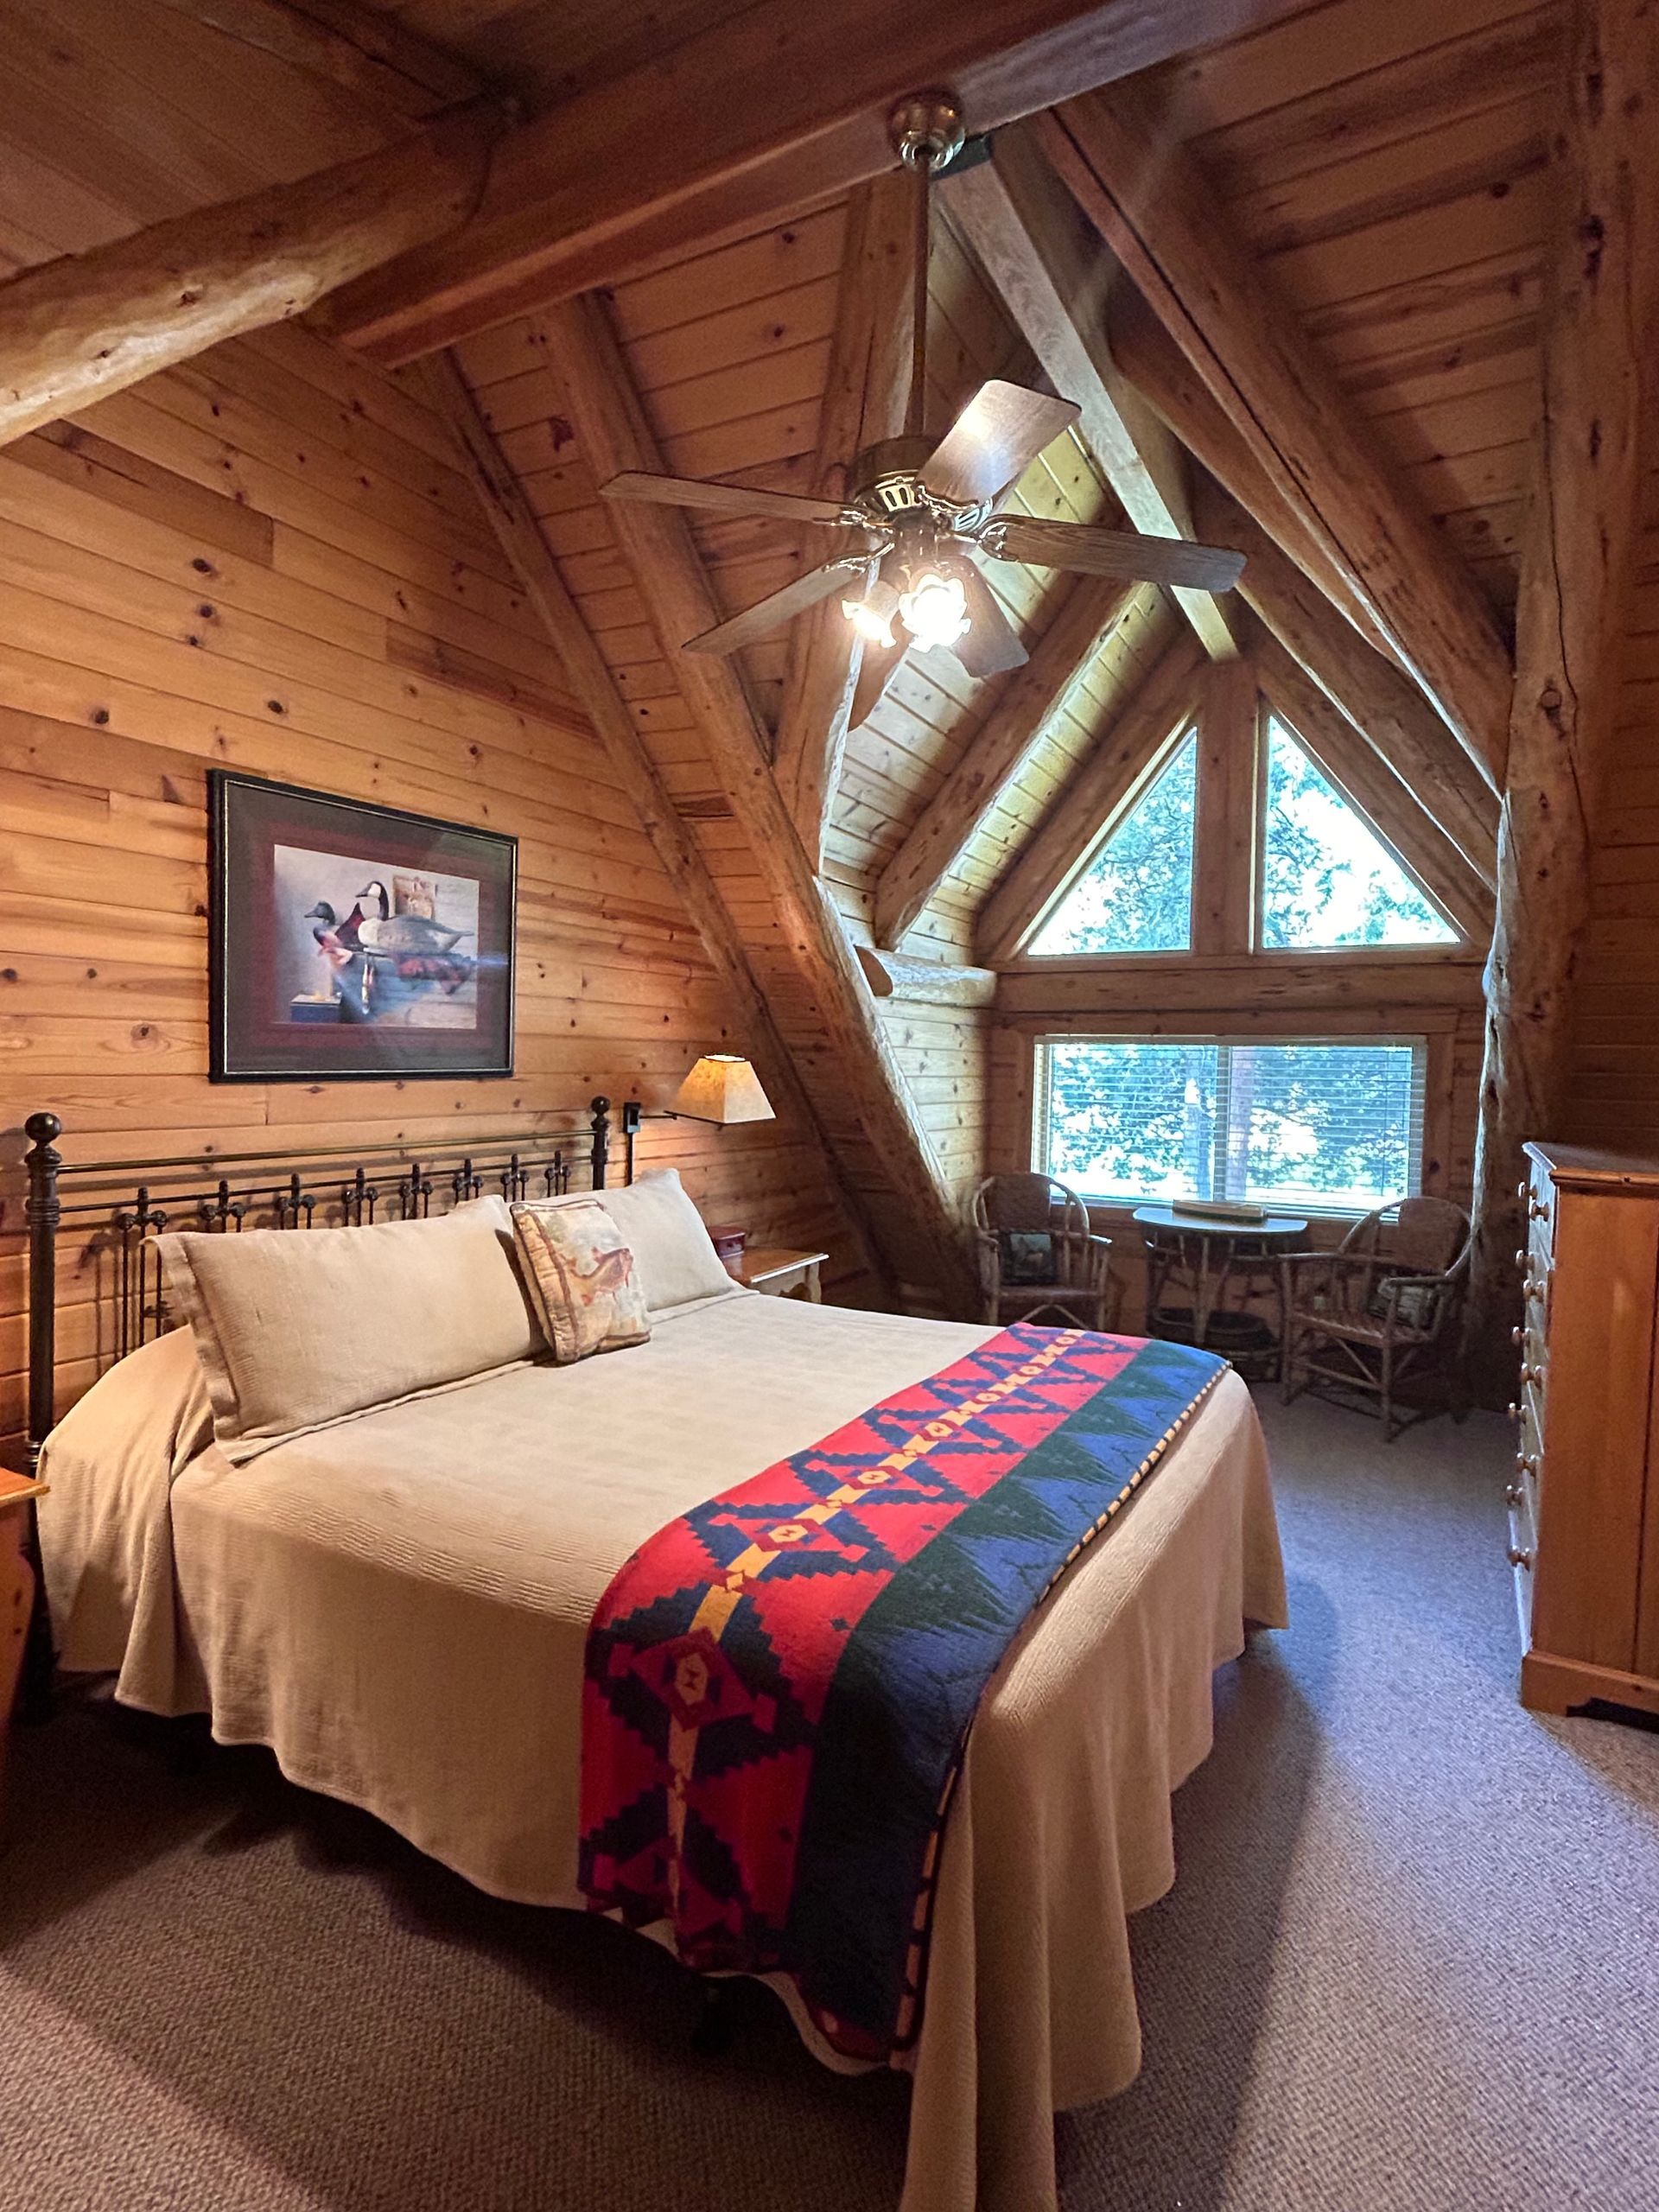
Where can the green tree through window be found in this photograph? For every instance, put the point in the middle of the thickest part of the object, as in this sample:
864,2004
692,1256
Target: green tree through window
1136,893
1326,878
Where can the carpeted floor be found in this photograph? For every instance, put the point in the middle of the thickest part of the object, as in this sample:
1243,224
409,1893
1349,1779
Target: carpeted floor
1412,1959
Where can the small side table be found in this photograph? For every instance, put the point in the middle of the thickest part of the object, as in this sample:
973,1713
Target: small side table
17,1598
1207,1258
780,1273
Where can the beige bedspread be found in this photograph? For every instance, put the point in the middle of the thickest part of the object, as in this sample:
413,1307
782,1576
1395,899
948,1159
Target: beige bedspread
399,1607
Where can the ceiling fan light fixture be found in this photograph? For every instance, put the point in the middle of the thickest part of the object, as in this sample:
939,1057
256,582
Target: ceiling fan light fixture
871,614
935,608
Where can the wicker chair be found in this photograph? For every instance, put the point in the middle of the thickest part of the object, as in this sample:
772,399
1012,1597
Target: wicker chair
1038,1254
1381,1310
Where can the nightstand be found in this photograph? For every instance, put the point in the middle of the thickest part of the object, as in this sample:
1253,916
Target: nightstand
780,1273
17,1597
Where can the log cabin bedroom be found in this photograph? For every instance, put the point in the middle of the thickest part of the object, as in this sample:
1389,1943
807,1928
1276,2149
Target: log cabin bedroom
949,1501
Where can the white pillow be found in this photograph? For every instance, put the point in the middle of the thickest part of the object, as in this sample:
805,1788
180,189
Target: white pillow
673,1258
298,1328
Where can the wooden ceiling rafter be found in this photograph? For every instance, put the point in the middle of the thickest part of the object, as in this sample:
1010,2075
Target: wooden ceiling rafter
1145,196
746,122
863,402
1026,707
1384,705
1023,229
1382,801
667,570
360,47
1121,768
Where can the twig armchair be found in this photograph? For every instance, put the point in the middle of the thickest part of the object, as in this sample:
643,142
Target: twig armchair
1382,1309
1037,1256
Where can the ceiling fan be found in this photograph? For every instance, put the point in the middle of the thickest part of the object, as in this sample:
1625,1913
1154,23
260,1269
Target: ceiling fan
927,507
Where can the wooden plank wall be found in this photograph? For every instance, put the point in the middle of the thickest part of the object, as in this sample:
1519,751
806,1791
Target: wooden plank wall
268,560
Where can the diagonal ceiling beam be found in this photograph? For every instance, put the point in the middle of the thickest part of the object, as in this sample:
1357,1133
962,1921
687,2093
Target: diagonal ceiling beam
668,572
74,330
1029,702
1024,230
520,536
743,124
1147,198
1384,706
863,402
1166,380
1109,781
1366,780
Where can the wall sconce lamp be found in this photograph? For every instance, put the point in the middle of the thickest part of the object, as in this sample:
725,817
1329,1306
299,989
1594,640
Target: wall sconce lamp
722,1088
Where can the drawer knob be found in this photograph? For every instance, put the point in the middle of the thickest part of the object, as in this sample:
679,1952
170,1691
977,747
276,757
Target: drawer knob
1527,1462
1536,1211
1521,1189
1514,1412
1521,1259
1520,1556
1533,1289
1532,1374
1518,1334
1513,1493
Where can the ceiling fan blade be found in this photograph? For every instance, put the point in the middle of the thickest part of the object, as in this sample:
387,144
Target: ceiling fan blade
876,670
772,612
1093,552
719,499
995,439
990,644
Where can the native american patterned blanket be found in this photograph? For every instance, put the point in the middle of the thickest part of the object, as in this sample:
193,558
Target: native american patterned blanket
779,1684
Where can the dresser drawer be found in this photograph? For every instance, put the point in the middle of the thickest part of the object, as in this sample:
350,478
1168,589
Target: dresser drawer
1537,1195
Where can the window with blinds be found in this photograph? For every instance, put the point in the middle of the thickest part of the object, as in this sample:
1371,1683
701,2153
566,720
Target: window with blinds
1326,1124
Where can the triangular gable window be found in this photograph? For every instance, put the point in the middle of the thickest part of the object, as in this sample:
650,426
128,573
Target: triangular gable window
1136,894
1327,878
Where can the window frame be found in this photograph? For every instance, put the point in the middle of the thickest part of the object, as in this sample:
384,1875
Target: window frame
1420,1043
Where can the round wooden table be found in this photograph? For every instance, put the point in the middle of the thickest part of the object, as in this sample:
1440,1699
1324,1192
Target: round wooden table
1206,1257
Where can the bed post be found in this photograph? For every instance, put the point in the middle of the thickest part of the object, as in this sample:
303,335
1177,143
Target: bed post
42,1212
600,1154
633,1113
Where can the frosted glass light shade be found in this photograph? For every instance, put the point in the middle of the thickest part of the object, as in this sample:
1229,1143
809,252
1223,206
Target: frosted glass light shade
722,1088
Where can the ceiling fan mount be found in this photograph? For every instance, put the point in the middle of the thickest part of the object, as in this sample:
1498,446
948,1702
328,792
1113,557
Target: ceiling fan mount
927,507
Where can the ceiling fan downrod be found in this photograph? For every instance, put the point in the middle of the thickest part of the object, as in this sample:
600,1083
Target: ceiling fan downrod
927,133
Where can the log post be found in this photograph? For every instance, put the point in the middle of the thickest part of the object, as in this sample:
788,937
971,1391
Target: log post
1601,326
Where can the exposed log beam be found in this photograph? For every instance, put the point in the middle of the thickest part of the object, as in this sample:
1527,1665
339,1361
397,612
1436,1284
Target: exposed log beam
520,536
1366,780
1026,232
75,330
1384,706
744,124
1107,784
1160,373
1029,700
668,571
929,982
1148,200
863,402
1164,984
1601,328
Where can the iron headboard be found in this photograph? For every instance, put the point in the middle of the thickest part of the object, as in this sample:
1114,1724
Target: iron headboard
126,1206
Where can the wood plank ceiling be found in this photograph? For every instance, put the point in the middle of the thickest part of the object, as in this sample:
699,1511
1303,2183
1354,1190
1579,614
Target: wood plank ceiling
1385,165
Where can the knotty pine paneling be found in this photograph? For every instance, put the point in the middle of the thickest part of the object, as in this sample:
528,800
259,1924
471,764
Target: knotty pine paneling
270,561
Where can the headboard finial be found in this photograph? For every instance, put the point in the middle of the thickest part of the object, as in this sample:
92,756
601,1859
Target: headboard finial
42,1131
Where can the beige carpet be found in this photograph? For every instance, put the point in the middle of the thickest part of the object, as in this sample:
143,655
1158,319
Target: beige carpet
1412,1959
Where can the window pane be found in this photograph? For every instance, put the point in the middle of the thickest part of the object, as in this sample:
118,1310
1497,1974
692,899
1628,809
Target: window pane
1133,1120
1336,1127
1327,1125
1326,879
1136,896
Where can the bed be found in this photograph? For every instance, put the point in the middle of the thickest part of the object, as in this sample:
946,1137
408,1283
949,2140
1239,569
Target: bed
357,1598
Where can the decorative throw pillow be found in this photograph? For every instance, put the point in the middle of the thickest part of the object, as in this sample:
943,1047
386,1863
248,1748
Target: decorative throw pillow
1027,1255
582,1278
1414,1303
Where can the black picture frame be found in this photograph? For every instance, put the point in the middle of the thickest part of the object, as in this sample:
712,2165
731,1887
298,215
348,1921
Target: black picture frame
419,983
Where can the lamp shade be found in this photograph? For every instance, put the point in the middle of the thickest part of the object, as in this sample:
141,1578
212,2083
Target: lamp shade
722,1088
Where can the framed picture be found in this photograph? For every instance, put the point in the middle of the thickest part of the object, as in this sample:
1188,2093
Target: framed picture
350,941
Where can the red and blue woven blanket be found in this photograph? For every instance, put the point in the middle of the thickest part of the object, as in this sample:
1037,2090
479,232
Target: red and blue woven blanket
779,1684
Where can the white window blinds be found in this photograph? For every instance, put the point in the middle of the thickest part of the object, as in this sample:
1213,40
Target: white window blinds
1330,1124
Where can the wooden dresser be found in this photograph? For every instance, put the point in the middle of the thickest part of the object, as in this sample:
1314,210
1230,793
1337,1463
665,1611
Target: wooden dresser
1584,1502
